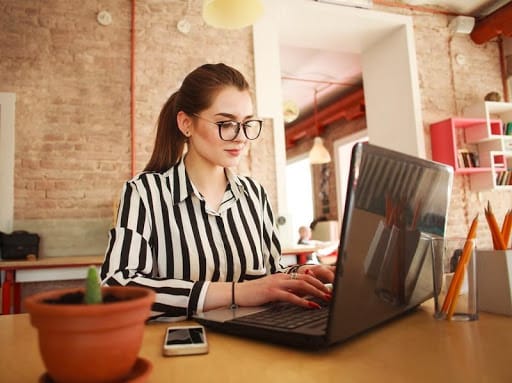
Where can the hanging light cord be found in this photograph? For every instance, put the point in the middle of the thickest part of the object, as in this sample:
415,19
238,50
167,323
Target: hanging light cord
132,88
316,111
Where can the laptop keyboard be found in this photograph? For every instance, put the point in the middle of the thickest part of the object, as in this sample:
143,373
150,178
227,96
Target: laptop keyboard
286,316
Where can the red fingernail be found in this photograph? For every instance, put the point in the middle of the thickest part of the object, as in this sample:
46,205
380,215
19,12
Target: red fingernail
313,305
307,271
328,296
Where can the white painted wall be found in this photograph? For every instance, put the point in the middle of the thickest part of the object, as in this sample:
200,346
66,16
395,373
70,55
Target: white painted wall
7,107
391,93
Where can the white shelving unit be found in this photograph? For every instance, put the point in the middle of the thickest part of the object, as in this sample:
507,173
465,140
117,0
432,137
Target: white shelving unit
494,147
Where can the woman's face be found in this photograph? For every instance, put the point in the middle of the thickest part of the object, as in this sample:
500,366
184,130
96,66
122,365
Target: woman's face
204,140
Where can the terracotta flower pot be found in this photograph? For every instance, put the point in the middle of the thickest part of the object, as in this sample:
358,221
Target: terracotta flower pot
90,343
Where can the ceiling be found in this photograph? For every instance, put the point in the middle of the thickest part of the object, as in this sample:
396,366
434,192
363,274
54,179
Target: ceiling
326,75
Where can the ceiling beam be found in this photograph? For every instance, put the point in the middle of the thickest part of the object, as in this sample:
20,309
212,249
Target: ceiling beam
349,107
496,24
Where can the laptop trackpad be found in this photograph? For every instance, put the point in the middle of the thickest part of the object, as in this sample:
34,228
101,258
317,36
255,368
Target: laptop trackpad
223,315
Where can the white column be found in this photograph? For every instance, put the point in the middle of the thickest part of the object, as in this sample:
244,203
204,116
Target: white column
7,104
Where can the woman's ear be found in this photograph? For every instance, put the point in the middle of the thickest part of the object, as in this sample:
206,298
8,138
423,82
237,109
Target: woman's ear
184,123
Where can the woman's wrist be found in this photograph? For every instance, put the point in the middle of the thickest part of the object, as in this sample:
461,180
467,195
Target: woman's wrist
219,294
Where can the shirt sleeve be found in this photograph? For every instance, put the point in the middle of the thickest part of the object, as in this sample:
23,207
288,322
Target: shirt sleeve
271,237
130,261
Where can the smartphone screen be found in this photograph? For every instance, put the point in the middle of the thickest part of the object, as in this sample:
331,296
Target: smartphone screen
185,335
185,340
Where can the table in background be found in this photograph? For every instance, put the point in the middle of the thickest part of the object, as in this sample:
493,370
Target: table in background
10,284
303,251
415,348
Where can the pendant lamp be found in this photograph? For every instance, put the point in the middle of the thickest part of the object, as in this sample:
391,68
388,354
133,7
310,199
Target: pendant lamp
318,153
290,111
231,14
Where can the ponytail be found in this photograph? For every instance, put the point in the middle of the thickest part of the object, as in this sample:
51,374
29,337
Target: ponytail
169,141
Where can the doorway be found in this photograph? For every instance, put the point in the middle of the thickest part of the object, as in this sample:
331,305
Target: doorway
386,45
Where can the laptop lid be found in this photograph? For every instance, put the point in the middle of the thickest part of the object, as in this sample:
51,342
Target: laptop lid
394,204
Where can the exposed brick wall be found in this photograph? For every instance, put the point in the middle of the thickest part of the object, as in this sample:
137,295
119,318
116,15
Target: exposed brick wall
72,81
72,77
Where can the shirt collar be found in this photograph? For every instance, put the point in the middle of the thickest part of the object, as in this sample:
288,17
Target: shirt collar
183,187
236,185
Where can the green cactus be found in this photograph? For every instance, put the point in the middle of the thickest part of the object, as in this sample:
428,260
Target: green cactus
92,287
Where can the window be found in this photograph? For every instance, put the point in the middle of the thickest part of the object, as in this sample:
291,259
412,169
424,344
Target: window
299,192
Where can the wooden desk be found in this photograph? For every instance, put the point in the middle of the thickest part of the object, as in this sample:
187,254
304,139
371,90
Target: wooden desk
415,348
10,268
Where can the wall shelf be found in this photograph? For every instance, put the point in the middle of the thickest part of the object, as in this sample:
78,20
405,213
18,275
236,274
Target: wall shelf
476,145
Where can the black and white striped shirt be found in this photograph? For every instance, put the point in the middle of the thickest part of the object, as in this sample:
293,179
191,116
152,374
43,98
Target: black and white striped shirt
166,238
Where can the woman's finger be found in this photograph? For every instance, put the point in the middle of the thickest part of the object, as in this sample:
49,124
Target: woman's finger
309,277
286,296
303,287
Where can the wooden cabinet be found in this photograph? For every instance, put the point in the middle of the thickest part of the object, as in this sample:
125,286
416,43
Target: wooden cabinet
478,144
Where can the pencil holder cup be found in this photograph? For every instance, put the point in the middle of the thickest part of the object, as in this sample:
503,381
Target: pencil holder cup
455,282
494,278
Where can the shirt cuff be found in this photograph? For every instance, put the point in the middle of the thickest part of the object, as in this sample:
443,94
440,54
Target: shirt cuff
202,297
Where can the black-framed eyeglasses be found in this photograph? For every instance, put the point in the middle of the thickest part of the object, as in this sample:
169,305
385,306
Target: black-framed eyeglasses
229,129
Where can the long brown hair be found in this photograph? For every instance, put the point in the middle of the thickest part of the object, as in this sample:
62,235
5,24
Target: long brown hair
196,94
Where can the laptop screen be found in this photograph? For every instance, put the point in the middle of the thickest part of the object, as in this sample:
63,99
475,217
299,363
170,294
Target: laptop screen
395,203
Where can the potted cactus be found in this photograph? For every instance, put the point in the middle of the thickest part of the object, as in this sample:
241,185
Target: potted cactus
93,334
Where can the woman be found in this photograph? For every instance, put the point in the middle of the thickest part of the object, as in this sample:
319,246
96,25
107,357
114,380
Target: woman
190,229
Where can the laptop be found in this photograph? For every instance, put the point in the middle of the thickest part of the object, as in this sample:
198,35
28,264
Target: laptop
395,204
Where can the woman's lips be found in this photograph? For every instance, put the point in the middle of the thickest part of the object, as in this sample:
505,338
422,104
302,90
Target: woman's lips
234,152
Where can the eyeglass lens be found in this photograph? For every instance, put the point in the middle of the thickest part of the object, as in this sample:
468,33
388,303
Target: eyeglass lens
229,129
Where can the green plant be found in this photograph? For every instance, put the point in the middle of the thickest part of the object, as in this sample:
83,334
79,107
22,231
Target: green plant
92,287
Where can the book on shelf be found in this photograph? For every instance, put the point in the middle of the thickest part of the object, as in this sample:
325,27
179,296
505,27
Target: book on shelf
507,128
504,178
467,159
474,159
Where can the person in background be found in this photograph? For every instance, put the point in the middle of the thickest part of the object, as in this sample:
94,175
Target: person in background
304,235
201,236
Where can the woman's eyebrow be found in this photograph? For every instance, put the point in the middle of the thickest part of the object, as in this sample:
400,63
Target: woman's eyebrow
232,116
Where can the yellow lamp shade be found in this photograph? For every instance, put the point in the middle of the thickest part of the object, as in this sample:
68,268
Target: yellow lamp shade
290,111
231,14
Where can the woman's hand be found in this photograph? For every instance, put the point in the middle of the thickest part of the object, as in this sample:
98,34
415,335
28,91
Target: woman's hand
291,288
324,273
